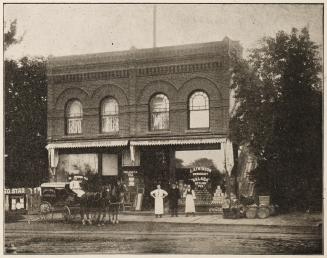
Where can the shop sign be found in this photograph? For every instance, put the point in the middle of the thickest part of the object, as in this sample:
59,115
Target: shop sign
131,176
200,176
15,191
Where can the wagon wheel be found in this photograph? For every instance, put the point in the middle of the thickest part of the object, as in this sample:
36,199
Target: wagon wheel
263,212
46,211
66,214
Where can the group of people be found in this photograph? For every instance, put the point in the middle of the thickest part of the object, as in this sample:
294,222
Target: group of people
173,195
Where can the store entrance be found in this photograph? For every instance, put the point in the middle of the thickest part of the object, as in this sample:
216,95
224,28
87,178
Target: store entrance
155,167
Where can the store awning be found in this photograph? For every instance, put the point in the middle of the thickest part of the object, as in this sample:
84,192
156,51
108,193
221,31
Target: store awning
87,144
154,142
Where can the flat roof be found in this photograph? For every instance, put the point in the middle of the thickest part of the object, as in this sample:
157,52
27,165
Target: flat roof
146,53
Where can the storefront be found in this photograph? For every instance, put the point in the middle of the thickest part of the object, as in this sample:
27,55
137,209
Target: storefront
198,162
142,164
15,200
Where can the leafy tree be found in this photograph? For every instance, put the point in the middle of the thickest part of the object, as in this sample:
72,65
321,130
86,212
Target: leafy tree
25,121
10,36
279,115
25,117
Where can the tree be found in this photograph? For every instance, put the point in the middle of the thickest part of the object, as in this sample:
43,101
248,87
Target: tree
25,117
25,122
279,115
10,36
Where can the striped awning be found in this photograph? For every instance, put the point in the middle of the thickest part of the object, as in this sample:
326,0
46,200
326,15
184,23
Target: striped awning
154,142
87,144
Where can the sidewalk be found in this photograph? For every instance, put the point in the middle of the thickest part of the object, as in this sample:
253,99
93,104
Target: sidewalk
290,220
293,219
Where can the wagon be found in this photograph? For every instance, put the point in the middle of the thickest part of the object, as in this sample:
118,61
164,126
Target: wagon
58,199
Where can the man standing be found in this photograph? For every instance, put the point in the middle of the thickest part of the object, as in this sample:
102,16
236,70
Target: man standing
174,195
158,195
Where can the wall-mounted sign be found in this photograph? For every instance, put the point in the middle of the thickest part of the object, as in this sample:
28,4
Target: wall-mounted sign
200,176
131,176
15,191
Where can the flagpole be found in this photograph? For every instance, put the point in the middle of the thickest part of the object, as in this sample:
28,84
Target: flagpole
154,26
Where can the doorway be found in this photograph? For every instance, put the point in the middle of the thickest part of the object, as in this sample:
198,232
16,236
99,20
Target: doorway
155,167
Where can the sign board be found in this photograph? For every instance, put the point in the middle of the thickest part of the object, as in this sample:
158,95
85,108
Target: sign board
15,191
200,176
131,176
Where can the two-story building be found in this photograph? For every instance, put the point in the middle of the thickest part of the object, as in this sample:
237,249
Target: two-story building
143,115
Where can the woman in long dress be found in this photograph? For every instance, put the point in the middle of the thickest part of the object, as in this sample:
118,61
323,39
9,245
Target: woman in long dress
158,195
189,201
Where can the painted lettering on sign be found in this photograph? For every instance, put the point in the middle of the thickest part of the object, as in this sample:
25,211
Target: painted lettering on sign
131,176
15,191
200,176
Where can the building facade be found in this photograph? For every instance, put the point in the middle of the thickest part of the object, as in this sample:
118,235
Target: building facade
143,116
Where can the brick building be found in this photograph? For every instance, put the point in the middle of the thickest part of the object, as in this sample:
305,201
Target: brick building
143,115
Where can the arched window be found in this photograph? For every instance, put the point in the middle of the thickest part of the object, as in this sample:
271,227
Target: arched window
109,116
74,116
159,112
199,110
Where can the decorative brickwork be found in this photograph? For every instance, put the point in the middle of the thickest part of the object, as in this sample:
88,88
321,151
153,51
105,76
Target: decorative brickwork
132,78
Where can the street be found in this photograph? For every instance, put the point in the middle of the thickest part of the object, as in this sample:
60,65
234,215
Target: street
154,237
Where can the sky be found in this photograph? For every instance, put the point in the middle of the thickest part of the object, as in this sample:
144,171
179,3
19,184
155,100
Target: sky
73,29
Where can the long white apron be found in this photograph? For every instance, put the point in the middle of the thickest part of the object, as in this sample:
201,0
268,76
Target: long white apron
189,203
158,201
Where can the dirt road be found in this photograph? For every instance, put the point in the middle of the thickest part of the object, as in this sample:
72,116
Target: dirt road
138,238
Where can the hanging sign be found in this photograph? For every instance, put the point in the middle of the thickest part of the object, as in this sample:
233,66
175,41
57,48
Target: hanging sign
200,176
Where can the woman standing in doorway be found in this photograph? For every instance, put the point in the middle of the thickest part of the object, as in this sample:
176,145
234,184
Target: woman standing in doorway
189,201
158,195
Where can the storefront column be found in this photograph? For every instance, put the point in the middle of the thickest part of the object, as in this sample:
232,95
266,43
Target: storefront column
53,157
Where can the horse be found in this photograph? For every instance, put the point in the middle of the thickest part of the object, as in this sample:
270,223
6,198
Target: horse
87,202
103,204
96,201
116,199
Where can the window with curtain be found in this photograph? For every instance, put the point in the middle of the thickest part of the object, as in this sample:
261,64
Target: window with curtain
109,116
159,112
74,116
199,110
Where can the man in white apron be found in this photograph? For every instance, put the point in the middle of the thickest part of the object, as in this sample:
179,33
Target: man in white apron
158,195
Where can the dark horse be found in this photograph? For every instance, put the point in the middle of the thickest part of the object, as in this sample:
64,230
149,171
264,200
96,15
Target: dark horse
105,201
116,199
96,201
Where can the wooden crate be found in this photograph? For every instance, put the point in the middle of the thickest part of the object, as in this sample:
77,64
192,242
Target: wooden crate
264,200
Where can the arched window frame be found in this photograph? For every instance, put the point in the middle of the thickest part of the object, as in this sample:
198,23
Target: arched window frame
196,111
159,117
109,121
73,120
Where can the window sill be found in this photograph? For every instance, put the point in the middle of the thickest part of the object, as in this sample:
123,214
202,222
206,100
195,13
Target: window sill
108,134
198,130
72,136
159,132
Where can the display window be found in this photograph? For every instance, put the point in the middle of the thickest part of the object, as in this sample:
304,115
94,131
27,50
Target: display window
76,164
109,164
202,169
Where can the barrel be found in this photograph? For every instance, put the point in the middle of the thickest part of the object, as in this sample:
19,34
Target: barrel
251,212
263,212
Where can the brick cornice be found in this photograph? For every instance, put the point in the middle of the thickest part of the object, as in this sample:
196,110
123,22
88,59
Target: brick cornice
140,72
